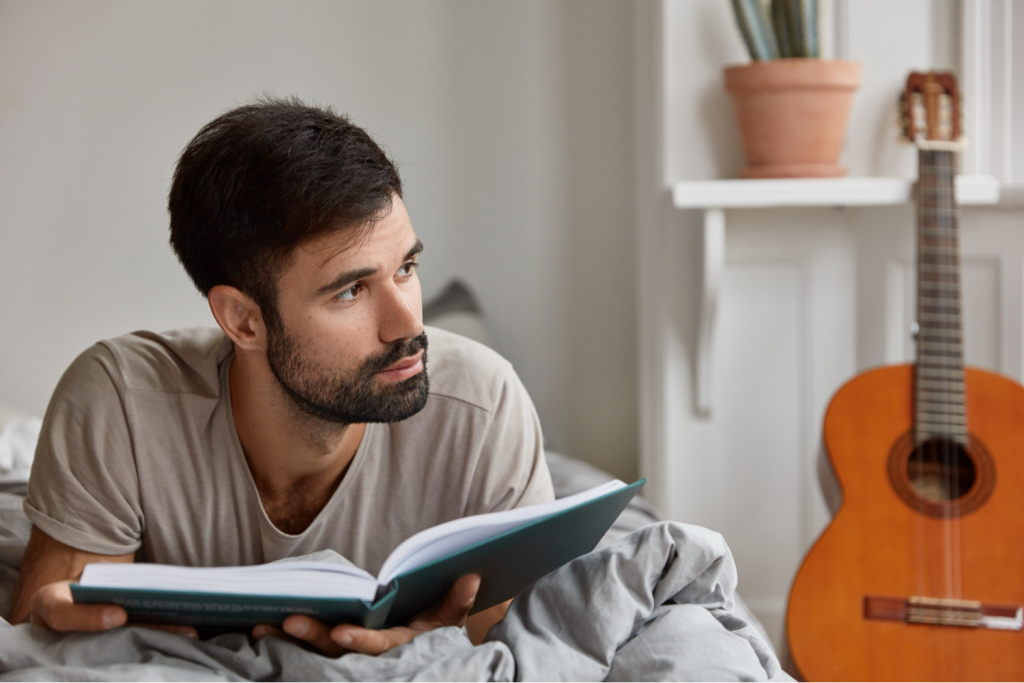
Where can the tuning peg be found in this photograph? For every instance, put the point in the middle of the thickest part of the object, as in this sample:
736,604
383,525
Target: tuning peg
902,118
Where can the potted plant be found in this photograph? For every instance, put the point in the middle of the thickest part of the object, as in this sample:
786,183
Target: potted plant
791,106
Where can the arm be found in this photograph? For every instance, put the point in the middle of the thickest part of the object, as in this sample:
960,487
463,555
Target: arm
43,593
83,497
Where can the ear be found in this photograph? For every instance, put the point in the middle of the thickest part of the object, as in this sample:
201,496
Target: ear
239,316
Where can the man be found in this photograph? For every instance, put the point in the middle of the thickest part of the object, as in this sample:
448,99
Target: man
307,421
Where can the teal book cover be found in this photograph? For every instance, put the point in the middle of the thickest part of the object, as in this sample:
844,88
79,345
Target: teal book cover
507,564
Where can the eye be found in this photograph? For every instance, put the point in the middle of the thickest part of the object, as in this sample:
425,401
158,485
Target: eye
407,268
350,293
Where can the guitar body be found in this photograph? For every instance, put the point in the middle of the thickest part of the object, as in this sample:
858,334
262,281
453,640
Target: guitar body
879,545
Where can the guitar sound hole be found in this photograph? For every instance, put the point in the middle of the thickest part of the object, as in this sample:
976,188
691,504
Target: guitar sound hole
940,477
941,470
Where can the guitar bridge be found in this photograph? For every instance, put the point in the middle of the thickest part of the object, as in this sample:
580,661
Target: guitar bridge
944,612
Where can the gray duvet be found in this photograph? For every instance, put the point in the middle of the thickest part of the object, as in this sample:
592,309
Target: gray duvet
657,605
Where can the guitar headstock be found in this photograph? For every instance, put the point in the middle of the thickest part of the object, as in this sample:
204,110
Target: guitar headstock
930,110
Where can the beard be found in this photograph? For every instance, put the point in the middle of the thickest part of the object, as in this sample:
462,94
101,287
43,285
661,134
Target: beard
324,393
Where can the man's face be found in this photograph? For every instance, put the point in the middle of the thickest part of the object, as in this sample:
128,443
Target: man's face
350,346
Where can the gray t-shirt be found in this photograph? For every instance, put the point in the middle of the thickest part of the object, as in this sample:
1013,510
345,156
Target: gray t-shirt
139,452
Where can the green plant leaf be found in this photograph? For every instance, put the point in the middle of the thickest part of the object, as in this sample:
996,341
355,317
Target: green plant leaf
755,27
794,12
811,14
780,22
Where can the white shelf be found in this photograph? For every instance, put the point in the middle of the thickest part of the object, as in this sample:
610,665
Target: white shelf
714,197
745,194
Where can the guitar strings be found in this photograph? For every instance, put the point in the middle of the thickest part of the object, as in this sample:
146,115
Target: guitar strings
952,217
947,442
921,435
945,425
945,238
953,469
953,526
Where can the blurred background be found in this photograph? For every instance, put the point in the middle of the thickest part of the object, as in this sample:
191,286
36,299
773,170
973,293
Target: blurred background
512,122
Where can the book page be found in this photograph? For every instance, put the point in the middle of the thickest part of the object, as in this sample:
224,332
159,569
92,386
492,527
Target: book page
298,579
444,539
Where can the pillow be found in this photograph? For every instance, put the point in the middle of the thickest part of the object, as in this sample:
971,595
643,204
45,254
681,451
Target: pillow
456,310
14,532
19,433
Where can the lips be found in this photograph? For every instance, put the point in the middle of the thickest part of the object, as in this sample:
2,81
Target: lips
404,369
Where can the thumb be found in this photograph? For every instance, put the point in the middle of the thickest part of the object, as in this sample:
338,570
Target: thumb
454,610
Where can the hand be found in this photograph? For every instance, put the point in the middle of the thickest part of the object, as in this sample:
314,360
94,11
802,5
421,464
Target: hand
53,606
333,642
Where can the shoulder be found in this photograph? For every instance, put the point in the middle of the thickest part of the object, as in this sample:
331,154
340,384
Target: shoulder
466,371
179,361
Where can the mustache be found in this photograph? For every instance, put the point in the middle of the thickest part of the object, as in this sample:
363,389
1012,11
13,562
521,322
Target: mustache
394,353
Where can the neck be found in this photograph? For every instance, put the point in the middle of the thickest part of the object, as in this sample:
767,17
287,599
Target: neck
288,451
939,385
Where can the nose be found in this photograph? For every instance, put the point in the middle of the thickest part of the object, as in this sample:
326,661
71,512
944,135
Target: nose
401,313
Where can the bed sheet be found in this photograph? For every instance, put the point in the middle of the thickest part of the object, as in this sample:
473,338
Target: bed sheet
568,476
656,605
665,595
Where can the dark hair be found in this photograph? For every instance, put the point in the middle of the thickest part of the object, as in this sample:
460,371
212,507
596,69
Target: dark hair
260,180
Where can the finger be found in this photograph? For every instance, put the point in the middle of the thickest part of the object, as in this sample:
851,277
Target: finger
186,631
452,611
455,608
370,641
264,630
71,617
313,632
260,631
54,607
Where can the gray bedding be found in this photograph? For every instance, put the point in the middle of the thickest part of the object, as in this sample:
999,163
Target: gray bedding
656,605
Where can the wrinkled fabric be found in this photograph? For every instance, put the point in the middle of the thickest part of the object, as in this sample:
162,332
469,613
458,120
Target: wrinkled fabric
656,605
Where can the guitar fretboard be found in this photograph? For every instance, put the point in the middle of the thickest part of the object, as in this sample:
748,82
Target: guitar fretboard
939,378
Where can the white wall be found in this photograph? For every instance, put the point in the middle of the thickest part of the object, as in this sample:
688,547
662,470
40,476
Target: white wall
511,121
888,37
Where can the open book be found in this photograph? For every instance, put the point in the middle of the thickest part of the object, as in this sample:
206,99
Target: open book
509,550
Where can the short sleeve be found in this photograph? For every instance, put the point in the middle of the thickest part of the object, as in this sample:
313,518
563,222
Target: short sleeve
84,489
511,471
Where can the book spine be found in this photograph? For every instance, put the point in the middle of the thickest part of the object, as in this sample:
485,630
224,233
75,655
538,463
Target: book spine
377,614
219,611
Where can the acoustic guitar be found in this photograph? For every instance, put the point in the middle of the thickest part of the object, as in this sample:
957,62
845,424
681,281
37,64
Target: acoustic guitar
920,575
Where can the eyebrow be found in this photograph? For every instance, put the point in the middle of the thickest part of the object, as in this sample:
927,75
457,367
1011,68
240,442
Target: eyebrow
351,276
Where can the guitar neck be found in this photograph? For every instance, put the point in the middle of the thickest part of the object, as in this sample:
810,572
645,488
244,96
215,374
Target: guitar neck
939,378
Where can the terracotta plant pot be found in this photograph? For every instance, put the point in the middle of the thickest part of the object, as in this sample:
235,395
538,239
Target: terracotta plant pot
792,115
